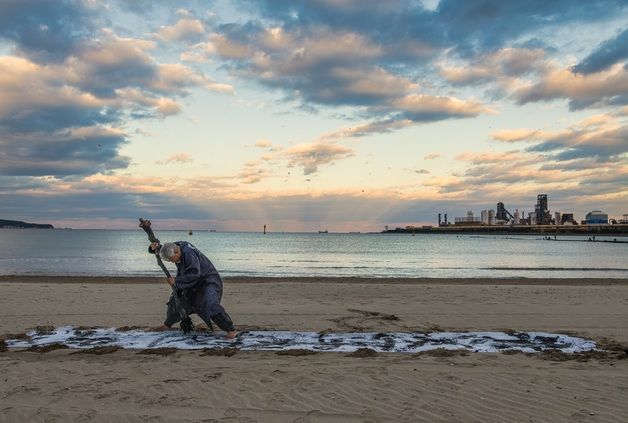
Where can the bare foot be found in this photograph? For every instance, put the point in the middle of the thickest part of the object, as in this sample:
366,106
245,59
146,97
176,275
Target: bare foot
232,334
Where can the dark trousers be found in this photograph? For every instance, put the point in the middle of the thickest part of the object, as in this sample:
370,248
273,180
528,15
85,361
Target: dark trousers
205,301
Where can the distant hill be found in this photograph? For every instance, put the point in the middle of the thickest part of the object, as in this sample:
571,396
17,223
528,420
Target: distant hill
20,224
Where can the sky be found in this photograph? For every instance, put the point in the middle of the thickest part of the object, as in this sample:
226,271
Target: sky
304,115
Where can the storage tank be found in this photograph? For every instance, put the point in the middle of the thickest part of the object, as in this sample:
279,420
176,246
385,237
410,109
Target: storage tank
596,217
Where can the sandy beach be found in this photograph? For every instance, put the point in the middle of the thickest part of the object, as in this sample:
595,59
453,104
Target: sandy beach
188,386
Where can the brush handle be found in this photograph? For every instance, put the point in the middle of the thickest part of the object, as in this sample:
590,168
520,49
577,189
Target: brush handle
145,224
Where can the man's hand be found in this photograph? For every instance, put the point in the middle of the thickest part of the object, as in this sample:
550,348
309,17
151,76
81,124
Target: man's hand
170,281
154,245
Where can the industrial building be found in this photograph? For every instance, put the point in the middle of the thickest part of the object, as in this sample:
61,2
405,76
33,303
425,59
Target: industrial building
484,217
542,215
469,220
566,219
503,214
596,217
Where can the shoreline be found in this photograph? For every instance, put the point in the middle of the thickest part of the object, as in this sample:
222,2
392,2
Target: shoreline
501,281
594,230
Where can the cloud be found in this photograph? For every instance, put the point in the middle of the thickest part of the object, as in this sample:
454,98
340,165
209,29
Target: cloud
263,144
426,108
580,165
468,28
116,200
47,128
175,78
35,99
112,63
177,158
408,111
106,200
602,137
76,151
593,89
605,144
252,173
373,55
432,156
105,204
479,25
514,135
320,68
311,156
199,53
61,118
308,156
377,127
132,98
185,29
489,67
332,64
605,55
47,30
117,63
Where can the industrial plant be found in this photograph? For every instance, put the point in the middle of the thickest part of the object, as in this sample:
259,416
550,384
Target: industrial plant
540,216
541,220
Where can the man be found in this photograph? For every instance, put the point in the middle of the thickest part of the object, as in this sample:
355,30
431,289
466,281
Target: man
201,284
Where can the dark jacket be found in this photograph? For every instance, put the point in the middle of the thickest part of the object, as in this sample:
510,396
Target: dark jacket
194,267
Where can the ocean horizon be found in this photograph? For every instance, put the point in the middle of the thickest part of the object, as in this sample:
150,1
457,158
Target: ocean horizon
116,252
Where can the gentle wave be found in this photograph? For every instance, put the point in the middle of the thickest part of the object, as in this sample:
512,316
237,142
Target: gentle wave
559,269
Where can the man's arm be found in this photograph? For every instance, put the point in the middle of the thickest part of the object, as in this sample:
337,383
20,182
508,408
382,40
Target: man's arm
191,273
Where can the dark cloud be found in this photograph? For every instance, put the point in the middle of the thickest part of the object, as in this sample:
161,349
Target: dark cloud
15,183
605,55
141,7
606,179
387,21
97,205
113,64
63,153
599,144
52,117
46,30
147,7
479,25
591,90
597,102
472,26
304,212
370,54
577,164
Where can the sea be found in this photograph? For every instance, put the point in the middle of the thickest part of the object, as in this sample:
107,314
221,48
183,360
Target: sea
73,252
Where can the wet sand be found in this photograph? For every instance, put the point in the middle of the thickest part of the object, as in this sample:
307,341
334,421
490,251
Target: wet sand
119,385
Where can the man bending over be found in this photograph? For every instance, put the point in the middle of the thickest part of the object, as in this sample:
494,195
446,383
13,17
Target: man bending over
200,282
